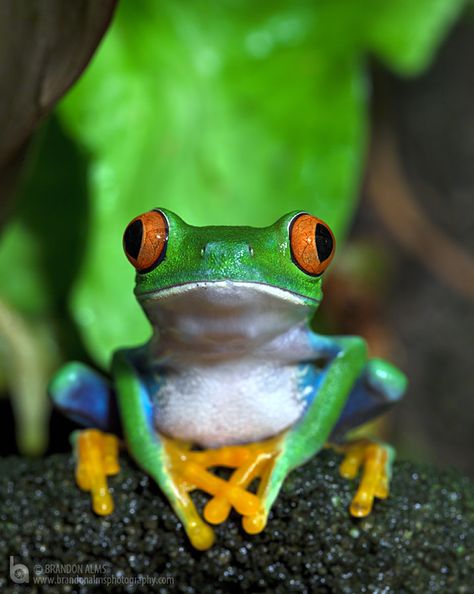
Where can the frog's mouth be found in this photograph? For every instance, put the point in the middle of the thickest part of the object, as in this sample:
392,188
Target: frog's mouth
225,314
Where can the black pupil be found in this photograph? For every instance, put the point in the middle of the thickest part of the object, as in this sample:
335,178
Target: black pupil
323,242
133,238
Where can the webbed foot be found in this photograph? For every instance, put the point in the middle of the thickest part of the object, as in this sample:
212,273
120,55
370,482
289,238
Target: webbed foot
375,461
96,459
189,470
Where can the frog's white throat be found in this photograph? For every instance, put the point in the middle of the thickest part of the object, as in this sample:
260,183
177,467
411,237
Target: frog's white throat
223,316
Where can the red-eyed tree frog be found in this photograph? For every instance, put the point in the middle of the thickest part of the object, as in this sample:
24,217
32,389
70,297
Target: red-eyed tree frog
233,374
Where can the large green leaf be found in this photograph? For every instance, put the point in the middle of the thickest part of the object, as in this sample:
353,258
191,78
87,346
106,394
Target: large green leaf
228,112
43,245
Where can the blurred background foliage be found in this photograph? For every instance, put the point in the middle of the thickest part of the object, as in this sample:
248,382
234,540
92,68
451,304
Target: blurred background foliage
227,112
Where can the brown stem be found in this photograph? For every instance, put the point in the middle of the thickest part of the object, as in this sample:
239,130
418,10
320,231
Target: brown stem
396,204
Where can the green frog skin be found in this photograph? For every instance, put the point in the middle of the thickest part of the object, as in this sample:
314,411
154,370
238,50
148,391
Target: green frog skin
233,374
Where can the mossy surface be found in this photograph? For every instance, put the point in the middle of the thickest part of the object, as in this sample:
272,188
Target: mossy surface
419,540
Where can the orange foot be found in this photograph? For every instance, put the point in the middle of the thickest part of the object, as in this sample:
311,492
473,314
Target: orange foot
189,470
96,459
375,460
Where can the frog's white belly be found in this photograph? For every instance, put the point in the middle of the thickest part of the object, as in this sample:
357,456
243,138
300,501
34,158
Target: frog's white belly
229,403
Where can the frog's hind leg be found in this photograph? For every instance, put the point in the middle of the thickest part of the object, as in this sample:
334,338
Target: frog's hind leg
86,397
96,455
374,461
380,386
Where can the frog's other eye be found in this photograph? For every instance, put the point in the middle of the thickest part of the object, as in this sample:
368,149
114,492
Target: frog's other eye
312,244
145,239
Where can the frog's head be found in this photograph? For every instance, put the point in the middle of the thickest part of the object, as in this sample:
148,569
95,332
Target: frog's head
232,283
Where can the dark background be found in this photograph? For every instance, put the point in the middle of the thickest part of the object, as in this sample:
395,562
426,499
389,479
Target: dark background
433,322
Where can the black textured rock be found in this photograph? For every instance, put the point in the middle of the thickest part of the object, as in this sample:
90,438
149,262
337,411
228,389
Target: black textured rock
419,540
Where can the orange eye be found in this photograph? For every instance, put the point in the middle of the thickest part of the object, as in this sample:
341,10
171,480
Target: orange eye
145,239
312,244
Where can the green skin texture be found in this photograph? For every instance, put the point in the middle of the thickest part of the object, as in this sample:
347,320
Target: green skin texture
271,264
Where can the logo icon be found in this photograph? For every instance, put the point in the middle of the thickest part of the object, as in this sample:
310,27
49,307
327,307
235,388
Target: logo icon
19,573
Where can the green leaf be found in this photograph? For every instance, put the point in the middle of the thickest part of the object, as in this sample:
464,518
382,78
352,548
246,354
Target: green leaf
405,34
227,112
43,245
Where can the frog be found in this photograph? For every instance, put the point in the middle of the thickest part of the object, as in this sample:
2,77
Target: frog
233,375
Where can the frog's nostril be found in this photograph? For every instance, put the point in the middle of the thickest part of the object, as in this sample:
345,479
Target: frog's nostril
250,250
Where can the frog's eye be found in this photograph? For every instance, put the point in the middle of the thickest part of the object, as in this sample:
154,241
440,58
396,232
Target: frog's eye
145,239
312,244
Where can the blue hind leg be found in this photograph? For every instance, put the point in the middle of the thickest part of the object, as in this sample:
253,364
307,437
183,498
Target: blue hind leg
379,387
377,390
86,397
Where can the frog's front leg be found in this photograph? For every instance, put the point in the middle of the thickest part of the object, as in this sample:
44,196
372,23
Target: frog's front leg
328,395
176,468
347,391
